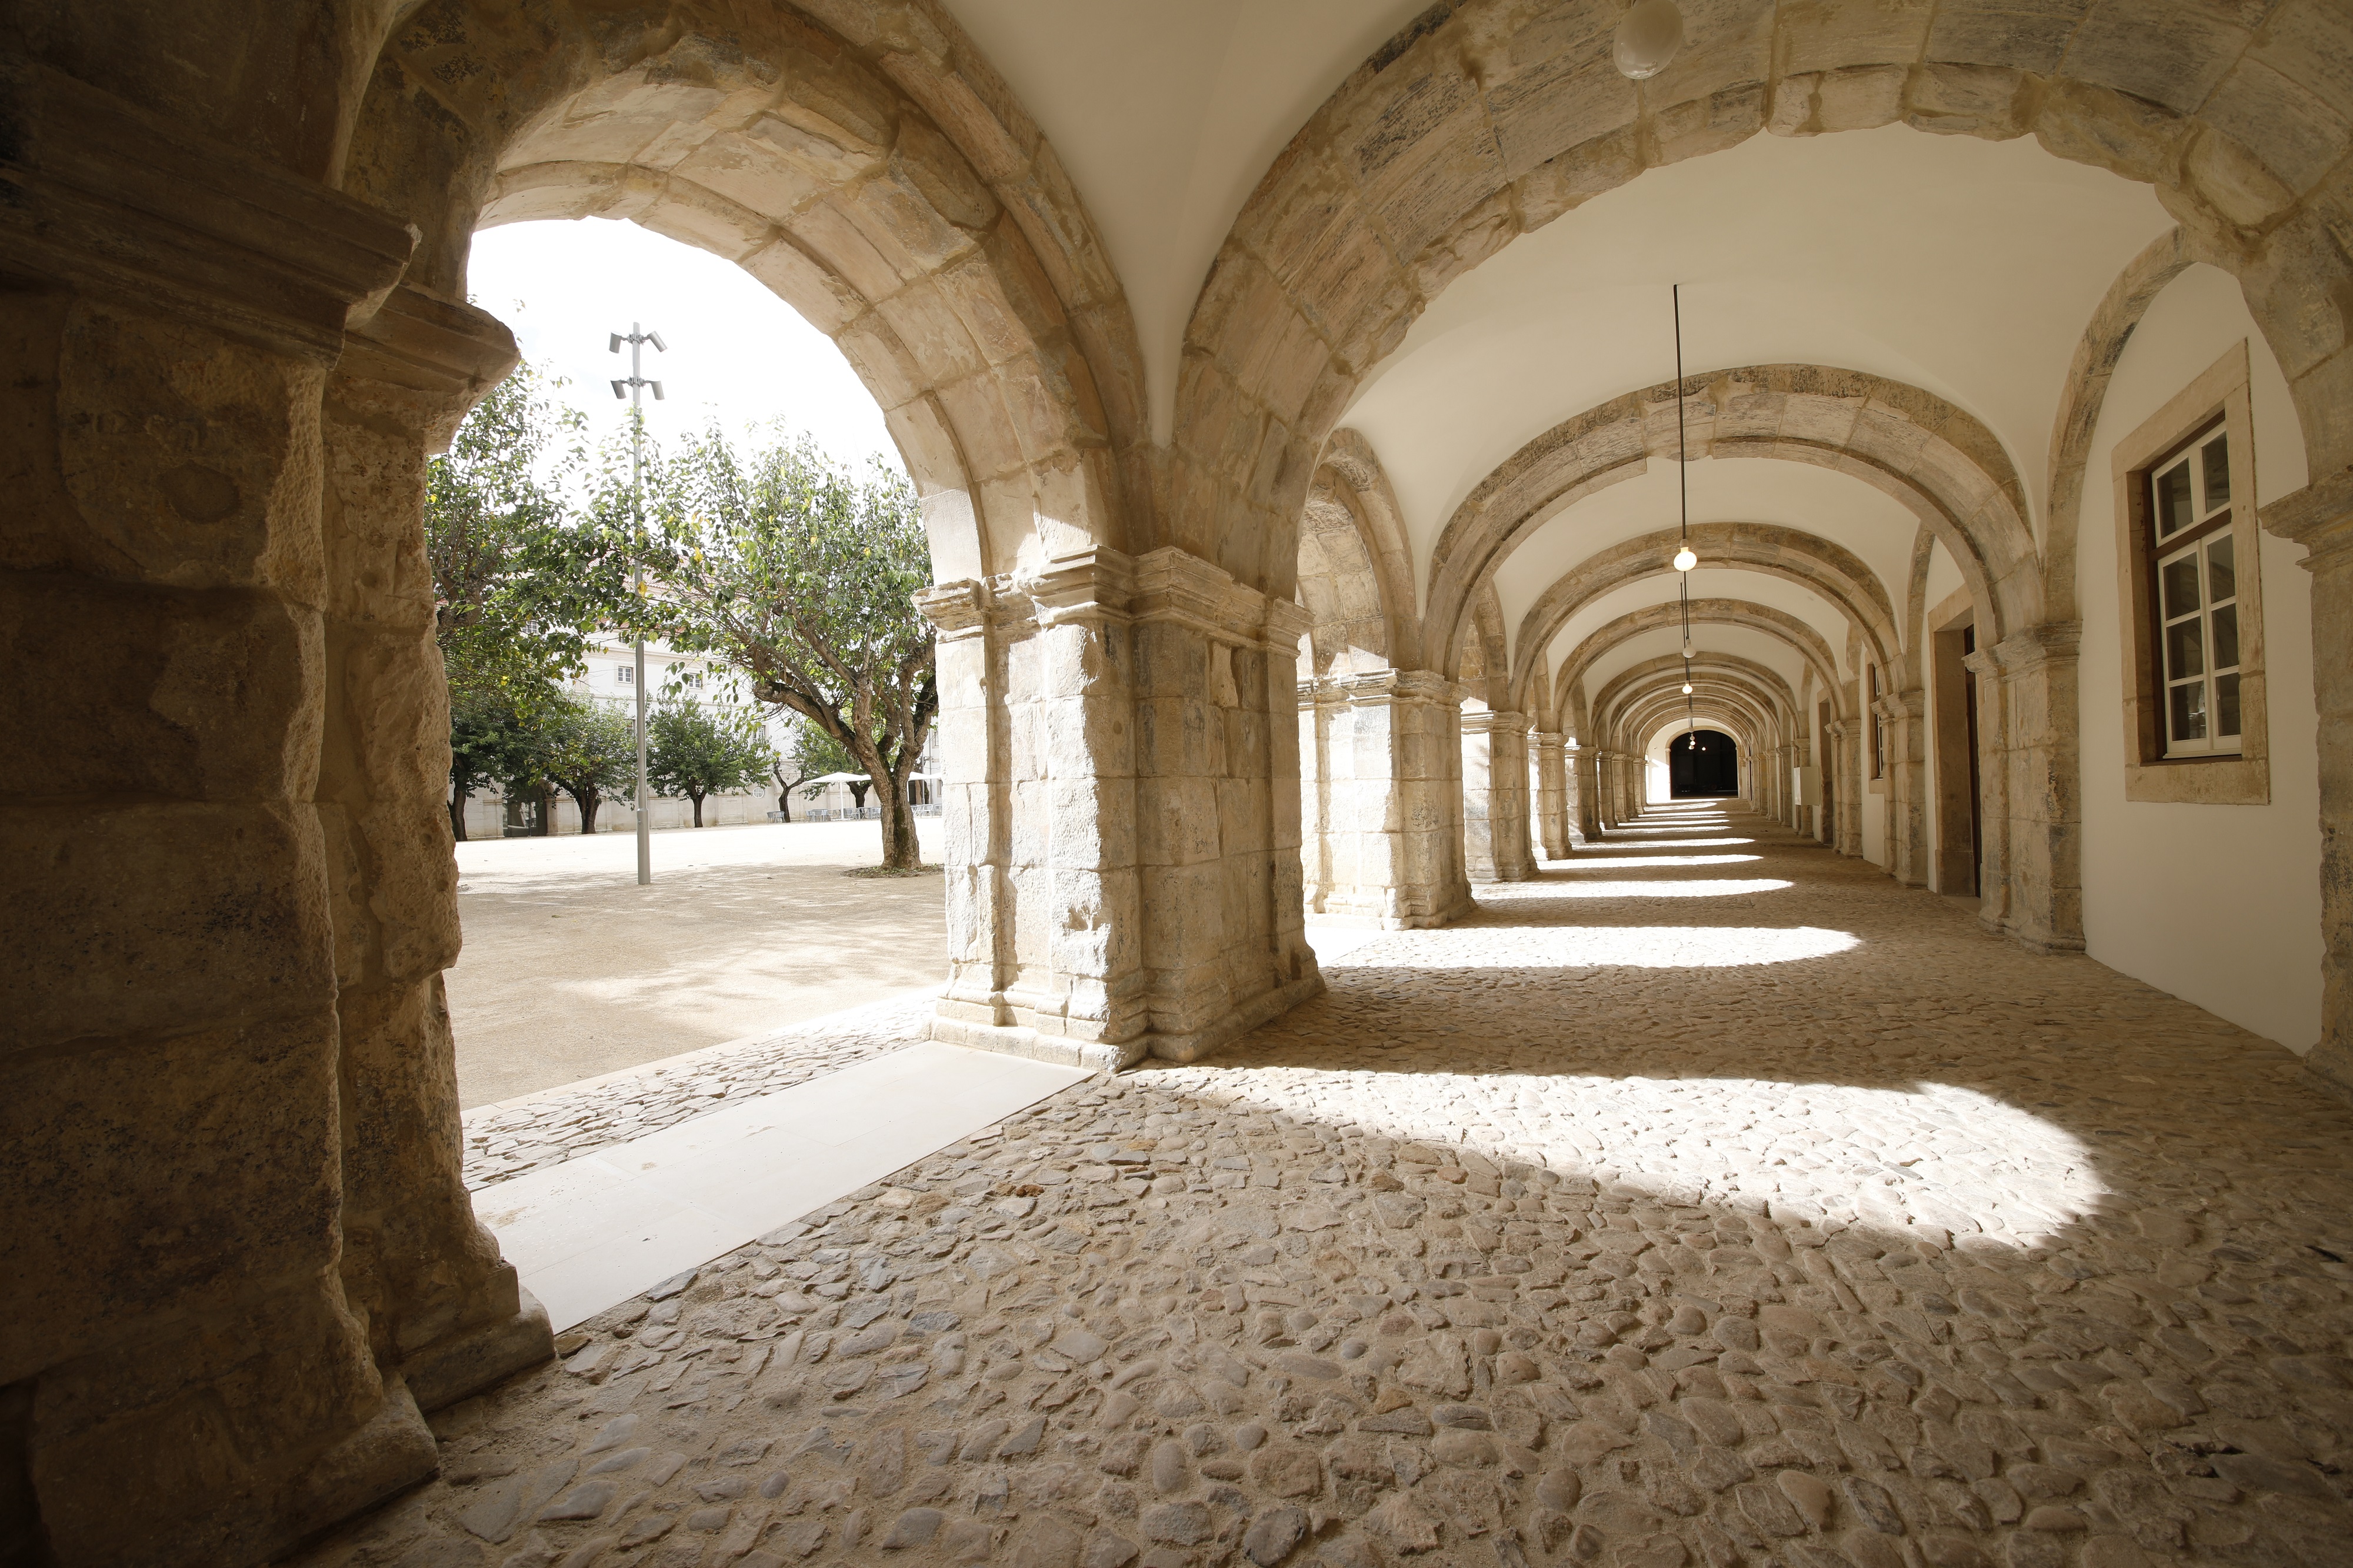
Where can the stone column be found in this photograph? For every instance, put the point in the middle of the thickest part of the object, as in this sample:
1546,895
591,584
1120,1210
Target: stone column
1551,751
1905,714
1495,843
1587,792
2320,518
1121,808
1846,808
2038,811
194,1387
1382,843
440,1304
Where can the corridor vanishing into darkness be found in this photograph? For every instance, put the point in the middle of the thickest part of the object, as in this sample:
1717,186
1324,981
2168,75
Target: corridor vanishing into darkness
1707,1199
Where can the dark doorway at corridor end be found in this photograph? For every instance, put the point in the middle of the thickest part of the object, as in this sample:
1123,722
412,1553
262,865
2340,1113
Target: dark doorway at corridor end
1703,762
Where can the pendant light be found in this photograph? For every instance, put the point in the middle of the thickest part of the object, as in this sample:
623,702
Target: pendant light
1685,557
1647,39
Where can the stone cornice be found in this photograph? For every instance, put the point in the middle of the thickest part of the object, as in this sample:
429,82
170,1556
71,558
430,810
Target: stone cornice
115,200
2035,646
2319,517
1378,686
1168,586
1486,721
435,357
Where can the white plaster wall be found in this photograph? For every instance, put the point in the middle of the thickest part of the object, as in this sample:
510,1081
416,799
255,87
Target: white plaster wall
1874,799
2217,904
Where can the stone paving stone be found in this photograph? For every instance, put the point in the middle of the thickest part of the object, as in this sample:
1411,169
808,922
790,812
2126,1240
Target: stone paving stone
510,1137
1753,1212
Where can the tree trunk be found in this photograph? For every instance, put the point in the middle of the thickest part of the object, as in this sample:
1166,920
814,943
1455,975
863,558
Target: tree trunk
546,827
698,808
902,851
784,803
458,816
858,794
588,804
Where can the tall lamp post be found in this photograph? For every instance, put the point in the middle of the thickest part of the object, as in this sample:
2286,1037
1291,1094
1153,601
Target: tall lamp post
633,389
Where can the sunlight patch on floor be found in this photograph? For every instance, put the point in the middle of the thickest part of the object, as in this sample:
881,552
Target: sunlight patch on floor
1638,947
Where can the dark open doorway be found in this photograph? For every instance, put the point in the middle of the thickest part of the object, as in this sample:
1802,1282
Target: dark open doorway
1703,762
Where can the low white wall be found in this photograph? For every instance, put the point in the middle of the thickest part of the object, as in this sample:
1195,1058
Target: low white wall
2217,904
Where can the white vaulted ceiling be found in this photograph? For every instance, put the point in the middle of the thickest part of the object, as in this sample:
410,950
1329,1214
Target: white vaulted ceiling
1166,113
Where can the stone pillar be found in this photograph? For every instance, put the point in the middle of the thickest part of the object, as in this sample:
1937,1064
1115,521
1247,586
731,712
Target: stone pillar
2039,816
2320,518
1905,714
1381,842
440,1305
1122,809
1552,793
194,1386
1495,844
1576,801
1846,809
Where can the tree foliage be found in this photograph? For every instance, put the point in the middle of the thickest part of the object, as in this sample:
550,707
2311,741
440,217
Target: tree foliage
587,749
491,741
803,574
693,751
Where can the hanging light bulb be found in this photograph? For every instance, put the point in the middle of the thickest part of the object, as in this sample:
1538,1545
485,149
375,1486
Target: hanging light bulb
1686,560
1687,688
1647,38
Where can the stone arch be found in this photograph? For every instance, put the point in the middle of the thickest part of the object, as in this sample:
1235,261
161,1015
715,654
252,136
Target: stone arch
1350,462
1791,554
1483,668
1935,459
2102,344
1774,623
1636,684
1484,121
881,179
1353,577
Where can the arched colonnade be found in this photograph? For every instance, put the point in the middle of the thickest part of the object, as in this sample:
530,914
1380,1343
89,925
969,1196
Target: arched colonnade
238,328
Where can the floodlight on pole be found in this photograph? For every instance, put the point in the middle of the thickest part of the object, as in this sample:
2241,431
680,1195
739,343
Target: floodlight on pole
633,389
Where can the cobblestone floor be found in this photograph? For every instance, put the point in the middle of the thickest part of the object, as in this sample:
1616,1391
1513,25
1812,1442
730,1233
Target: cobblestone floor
1710,1200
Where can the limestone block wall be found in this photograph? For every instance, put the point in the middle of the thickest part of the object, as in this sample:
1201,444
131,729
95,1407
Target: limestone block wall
1379,770
1119,749
1548,772
237,1238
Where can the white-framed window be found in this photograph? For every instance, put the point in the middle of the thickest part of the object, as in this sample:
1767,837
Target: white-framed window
2197,596
624,675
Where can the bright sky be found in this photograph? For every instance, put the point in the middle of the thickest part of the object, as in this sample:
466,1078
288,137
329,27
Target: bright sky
735,350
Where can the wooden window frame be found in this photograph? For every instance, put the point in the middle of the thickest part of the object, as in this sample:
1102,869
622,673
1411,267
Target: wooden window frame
2216,398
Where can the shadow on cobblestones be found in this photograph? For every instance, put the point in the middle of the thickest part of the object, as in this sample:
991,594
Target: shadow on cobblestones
1698,1212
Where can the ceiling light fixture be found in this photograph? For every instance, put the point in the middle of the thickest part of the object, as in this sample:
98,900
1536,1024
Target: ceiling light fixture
1686,560
1647,39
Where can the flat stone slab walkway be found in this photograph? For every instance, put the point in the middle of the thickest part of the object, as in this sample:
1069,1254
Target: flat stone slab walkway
592,1232
1710,1200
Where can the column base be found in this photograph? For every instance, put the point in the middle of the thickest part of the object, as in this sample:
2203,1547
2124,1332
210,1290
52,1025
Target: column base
393,1452
472,1358
1104,1056
2330,1066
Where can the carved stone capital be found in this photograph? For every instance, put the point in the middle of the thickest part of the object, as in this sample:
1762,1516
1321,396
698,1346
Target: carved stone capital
111,199
2320,518
436,356
1487,722
2023,652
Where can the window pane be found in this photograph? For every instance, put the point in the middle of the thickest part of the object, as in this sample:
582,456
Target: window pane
2221,577
2226,639
2184,650
2181,575
2173,508
2217,453
2189,711
2226,705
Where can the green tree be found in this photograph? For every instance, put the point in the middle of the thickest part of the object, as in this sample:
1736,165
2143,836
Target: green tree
693,751
518,584
803,574
491,741
587,749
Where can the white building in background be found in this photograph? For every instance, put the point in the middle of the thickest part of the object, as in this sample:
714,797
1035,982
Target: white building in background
610,677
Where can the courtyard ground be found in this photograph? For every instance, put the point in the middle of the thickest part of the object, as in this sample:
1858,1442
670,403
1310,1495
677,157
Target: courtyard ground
1708,1200
571,970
